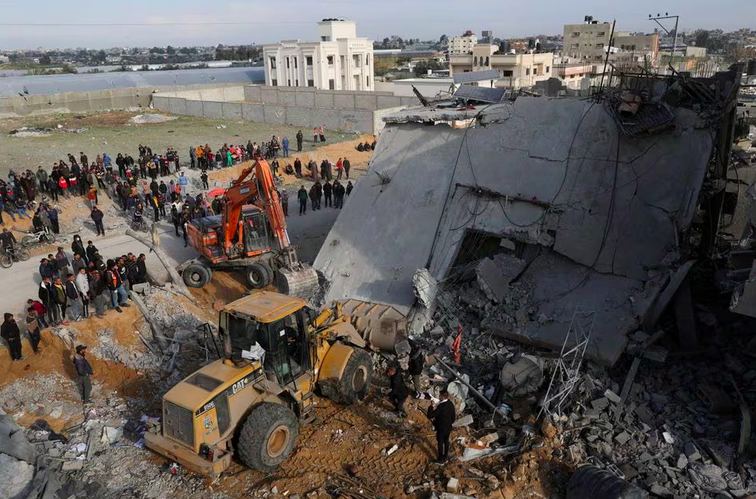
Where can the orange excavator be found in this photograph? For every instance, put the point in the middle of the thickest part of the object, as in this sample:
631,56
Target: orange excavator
250,235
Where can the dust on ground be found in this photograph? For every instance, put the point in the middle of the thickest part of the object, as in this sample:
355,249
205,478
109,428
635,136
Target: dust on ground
332,152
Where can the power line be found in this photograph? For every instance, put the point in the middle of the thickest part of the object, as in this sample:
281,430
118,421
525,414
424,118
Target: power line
95,25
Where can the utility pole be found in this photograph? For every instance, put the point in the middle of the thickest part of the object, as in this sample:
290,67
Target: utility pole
658,18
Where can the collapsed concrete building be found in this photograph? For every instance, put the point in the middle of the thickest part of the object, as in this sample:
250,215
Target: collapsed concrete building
587,204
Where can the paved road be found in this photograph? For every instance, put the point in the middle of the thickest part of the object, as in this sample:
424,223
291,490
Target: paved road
20,282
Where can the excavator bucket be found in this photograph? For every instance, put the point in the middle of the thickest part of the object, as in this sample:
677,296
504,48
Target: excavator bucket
301,282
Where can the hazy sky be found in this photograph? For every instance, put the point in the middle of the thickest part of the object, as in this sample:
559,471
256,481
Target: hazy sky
425,19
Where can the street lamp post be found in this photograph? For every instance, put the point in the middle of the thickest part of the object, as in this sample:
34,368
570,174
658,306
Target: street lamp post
658,18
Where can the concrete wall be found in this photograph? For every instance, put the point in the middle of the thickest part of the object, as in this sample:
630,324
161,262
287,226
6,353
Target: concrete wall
297,106
120,98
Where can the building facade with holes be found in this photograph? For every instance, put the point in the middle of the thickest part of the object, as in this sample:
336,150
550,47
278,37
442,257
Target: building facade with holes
339,61
515,70
589,42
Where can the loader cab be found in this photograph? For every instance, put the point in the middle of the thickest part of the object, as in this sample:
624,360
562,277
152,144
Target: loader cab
278,324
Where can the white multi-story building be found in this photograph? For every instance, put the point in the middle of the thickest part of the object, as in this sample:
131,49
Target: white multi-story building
459,45
339,61
515,70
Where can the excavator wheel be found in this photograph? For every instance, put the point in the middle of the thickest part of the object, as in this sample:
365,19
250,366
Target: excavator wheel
197,275
301,283
267,436
258,276
355,382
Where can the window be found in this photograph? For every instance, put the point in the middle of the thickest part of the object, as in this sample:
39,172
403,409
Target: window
310,83
356,60
600,45
288,63
598,57
272,63
341,60
367,59
308,59
273,83
601,33
633,47
331,84
507,73
475,61
575,45
576,33
295,62
527,71
535,71
288,83
487,61
367,82
330,60
547,69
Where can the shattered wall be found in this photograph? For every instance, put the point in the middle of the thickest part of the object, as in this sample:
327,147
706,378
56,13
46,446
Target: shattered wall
604,208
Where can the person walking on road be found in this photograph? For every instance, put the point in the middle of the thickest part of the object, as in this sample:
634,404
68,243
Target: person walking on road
347,166
84,370
10,333
327,194
285,145
398,393
442,415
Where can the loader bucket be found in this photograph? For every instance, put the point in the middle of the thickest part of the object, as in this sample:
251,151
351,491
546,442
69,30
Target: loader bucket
302,283
382,326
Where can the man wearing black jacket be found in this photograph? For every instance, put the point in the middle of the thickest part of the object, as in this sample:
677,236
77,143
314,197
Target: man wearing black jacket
416,362
398,393
443,416
10,332
45,295
84,370
97,219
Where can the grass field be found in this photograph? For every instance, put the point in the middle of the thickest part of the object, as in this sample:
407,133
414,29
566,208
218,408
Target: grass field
114,132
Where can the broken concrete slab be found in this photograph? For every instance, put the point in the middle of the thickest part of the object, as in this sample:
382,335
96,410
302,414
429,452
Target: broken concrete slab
495,274
13,441
72,465
521,376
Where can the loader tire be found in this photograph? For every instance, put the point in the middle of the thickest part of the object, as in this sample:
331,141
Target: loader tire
355,382
258,276
267,436
197,275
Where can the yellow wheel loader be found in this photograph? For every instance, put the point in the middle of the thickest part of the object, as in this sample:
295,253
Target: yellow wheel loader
251,402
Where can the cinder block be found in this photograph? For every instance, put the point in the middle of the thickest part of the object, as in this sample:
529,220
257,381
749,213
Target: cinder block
365,101
287,97
253,112
212,110
328,118
385,101
305,98
269,95
356,121
194,108
275,115
252,93
324,99
232,111
301,117
343,100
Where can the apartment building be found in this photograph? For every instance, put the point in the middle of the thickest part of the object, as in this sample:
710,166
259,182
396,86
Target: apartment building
589,41
515,70
459,45
338,61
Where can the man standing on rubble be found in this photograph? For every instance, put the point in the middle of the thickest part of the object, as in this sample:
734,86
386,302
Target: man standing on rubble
84,370
398,393
10,333
416,363
442,414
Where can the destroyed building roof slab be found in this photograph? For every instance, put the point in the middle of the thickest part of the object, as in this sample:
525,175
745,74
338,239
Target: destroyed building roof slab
556,173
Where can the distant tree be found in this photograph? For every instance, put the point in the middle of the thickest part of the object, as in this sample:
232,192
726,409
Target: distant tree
170,50
45,60
100,56
386,43
157,50
422,67
67,68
